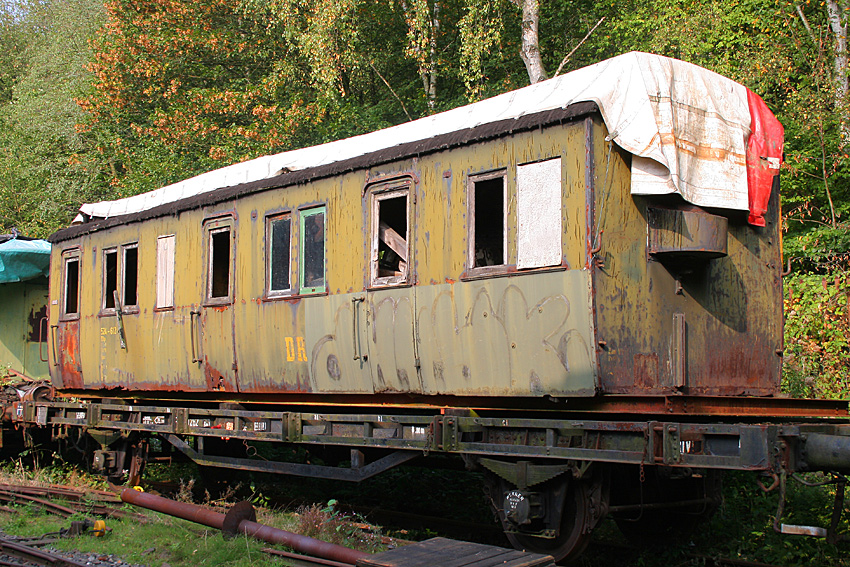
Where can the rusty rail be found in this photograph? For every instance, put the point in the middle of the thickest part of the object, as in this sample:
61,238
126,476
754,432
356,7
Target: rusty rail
240,519
38,556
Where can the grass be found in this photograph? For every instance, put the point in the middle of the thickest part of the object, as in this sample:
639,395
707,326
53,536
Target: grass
741,529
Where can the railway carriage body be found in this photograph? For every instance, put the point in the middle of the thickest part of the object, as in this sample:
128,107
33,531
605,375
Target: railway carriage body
512,262
486,282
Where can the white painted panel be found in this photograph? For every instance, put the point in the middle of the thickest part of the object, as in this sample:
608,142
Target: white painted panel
539,226
165,271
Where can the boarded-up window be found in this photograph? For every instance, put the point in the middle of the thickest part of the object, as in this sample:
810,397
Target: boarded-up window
312,256
539,225
165,272
130,275
390,248
71,291
487,220
278,242
110,277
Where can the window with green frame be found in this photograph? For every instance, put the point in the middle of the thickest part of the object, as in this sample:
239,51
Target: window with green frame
311,260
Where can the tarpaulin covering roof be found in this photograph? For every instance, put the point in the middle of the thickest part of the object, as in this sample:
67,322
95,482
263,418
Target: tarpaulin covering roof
688,129
22,260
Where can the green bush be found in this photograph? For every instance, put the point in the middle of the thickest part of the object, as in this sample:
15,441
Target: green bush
817,335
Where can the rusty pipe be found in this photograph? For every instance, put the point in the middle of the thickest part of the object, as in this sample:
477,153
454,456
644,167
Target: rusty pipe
201,515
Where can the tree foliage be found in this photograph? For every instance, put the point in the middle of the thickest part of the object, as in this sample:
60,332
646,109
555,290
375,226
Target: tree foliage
102,99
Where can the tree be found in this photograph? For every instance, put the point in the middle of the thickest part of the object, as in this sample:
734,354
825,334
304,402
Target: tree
44,174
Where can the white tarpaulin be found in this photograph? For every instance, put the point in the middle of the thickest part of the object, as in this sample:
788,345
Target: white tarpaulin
686,126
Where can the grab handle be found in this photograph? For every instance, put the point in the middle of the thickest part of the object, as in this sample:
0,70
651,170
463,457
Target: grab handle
53,340
194,331
42,330
354,326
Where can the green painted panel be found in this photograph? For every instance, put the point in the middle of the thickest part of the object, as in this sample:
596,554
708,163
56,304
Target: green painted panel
330,333
521,336
22,305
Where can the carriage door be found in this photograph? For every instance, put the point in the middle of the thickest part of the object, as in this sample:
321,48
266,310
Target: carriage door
66,370
217,341
390,300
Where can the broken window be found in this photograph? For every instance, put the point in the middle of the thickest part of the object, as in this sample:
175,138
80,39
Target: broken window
488,220
539,214
278,233
219,268
312,256
110,277
165,272
130,276
71,297
390,247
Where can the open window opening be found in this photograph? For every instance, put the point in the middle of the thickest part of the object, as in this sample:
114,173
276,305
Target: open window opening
110,277
390,248
312,266
488,221
219,269
130,276
70,303
278,239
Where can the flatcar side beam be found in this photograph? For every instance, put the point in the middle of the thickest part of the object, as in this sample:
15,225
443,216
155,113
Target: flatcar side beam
758,447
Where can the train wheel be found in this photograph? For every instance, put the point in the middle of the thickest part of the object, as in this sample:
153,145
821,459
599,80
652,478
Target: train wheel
575,530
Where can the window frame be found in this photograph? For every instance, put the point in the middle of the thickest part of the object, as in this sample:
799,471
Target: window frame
159,304
212,227
122,279
269,256
104,310
376,196
303,215
471,269
68,256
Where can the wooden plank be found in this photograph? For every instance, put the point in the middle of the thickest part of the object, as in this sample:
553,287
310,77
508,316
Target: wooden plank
393,239
450,553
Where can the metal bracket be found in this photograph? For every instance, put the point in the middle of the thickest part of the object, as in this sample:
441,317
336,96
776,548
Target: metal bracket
672,445
524,474
297,469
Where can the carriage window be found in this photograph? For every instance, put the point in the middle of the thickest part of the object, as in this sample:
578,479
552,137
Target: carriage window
488,220
278,233
390,249
312,256
165,272
130,275
219,269
110,277
70,303
539,216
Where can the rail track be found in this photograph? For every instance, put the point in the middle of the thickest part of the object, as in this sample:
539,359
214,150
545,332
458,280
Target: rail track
18,552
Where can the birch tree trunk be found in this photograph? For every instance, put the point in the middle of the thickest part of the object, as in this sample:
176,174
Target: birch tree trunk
530,49
836,9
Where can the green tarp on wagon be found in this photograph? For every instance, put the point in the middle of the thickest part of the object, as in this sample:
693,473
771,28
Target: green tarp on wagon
22,260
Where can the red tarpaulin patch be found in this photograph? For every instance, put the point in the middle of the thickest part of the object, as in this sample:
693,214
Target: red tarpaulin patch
764,156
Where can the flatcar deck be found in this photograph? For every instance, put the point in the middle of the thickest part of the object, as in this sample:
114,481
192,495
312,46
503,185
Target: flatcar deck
450,553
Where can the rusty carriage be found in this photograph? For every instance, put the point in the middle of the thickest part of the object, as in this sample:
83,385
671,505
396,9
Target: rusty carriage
576,287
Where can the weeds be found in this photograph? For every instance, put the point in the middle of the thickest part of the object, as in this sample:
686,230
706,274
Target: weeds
329,524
